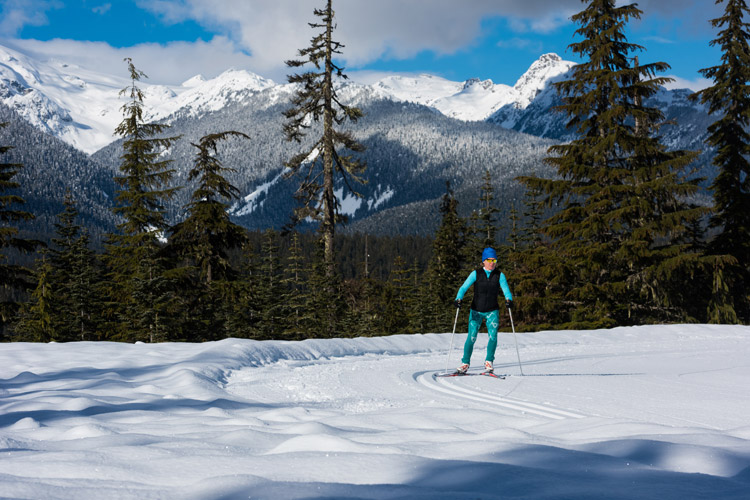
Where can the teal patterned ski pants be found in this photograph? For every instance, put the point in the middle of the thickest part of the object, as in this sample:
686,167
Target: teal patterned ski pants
492,319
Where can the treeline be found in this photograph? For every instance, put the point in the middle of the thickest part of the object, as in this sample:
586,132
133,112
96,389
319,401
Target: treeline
275,291
273,286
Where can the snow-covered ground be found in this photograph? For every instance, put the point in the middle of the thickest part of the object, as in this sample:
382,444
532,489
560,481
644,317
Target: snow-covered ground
648,413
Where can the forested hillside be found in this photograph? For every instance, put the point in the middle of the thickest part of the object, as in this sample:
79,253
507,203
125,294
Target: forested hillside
411,152
52,168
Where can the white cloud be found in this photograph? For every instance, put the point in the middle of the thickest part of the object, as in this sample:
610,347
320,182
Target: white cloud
15,14
102,9
172,63
684,83
529,45
260,35
273,31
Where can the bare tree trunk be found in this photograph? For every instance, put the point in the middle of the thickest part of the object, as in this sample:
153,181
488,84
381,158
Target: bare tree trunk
329,209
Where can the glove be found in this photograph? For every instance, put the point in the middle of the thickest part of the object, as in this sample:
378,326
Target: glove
457,302
509,304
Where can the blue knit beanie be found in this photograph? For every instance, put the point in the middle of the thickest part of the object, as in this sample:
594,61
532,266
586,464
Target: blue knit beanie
489,253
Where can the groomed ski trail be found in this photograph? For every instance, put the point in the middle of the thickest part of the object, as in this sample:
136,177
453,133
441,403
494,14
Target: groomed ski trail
449,386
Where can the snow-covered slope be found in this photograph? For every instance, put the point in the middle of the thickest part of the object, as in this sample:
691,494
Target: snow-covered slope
198,95
471,100
72,103
547,69
653,413
475,99
82,106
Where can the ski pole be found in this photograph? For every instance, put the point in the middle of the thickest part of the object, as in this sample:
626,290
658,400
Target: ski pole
510,314
448,361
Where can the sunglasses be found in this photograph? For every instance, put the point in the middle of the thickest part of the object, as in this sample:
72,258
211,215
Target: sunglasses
491,260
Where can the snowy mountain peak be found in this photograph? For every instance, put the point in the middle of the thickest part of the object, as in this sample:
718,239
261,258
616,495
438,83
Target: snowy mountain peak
420,89
195,96
81,106
477,84
544,70
194,81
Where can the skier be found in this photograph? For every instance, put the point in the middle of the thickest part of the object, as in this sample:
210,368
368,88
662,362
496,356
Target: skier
487,283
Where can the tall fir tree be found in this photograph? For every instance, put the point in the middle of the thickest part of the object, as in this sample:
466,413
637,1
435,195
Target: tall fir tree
15,278
36,320
138,286
417,296
325,298
446,266
271,289
84,290
206,236
622,215
76,278
488,212
295,290
321,163
729,97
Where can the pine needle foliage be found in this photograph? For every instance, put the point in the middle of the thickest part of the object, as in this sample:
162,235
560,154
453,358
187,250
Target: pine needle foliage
76,278
132,255
729,97
444,271
621,193
13,277
205,237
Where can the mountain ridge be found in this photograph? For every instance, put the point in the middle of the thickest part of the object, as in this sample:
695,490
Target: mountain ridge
421,131
81,106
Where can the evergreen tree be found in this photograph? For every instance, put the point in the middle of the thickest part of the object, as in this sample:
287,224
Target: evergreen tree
539,275
316,100
531,233
14,278
296,293
137,278
84,290
325,298
75,277
238,302
207,234
365,307
270,289
487,212
622,216
417,295
395,300
202,242
35,323
446,266
514,235
729,96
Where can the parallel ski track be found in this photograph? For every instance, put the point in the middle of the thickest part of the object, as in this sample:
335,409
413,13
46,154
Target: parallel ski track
446,386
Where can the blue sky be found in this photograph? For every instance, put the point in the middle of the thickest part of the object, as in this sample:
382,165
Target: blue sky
172,40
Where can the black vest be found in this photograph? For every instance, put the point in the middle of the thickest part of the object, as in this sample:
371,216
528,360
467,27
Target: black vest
486,291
